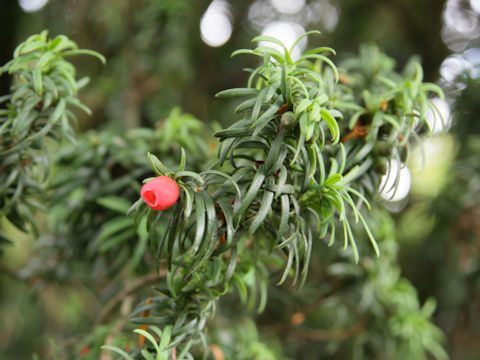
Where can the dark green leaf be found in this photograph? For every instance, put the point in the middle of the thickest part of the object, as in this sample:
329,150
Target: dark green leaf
258,104
157,165
191,174
200,222
284,215
237,92
274,152
265,207
114,203
117,239
251,193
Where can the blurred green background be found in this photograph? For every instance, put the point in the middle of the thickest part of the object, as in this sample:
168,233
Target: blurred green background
164,54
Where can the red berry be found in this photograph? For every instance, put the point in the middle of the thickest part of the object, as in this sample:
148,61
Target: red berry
84,350
160,193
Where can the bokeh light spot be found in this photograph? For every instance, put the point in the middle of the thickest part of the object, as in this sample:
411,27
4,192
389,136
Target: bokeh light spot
287,33
430,164
459,18
288,6
324,13
438,116
215,25
32,5
396,172
453,66
475,5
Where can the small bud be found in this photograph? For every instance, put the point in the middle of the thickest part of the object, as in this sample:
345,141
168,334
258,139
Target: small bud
380,165
403,154
288,120
382,149
160,193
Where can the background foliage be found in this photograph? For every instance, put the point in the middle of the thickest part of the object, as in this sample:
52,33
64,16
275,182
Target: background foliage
73,289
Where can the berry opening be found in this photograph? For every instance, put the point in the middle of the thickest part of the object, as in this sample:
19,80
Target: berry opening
150,197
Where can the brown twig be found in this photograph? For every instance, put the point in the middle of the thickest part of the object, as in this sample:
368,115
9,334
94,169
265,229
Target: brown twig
217,352
125,310
292,329
359,130
329,335
144,327
284,108
344,79
146,280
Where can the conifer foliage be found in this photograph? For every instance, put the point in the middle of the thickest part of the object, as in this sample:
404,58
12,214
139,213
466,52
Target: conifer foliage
295,176
294,172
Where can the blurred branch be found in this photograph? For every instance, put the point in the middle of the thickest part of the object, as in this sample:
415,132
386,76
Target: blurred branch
316,334
125,310
329,335
146,280
9,272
